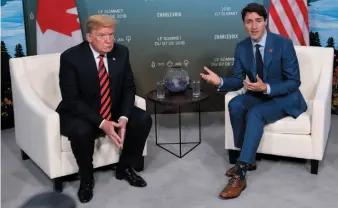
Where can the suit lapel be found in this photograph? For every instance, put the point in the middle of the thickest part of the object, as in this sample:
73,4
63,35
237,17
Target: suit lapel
91,67
113,70
268,54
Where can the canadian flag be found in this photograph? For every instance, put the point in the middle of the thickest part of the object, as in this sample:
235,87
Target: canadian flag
57,26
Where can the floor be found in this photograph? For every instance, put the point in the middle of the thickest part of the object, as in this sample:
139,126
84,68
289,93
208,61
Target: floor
192,181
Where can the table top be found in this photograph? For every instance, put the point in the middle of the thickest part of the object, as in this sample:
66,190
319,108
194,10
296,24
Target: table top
179,99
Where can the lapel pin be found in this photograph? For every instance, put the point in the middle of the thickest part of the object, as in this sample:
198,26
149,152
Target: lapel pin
114,58
270,50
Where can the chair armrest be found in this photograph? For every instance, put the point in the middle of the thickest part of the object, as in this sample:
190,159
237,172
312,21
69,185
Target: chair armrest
233,94
37,127
229,137
140,102
321,112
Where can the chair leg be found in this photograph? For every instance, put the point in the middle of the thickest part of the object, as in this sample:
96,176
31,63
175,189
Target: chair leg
314,166
259,156
24,156
58,184
233,154
114,166
139,166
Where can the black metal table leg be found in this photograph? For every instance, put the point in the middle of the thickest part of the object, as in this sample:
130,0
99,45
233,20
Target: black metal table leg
180,143
179,124
155,124
199,122
199,131
178,100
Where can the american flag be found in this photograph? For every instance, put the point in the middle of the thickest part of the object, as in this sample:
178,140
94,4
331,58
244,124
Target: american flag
290,19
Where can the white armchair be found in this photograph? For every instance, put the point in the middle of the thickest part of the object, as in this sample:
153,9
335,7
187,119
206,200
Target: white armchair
306,136
36,94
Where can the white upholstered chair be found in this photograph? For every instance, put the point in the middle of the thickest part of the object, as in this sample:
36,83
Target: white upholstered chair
304,137
36,94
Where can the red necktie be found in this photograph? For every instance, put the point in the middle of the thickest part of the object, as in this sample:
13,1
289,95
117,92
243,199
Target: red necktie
104,91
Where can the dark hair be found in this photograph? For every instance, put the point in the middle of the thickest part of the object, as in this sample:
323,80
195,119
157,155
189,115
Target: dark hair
254,7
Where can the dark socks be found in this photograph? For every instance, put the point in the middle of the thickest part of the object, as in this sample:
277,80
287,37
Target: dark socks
242,168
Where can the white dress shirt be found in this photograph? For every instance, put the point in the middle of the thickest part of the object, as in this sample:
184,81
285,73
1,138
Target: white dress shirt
105,62
261,50
261,43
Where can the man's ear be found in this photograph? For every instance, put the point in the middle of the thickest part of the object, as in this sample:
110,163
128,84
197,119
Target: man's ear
88,37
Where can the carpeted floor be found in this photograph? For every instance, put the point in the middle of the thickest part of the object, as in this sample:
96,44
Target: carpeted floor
193,181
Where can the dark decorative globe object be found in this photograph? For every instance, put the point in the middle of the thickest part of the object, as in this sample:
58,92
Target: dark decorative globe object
176,79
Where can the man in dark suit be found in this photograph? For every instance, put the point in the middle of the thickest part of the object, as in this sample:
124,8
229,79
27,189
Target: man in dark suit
98,94
270,62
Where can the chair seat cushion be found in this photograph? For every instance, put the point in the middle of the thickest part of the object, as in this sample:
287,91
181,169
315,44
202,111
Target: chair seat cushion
65,143
289,125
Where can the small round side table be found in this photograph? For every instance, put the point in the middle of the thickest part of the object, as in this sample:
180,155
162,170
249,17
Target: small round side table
178,100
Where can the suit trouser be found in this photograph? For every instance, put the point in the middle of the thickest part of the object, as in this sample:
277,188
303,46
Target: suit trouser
249,113
83,134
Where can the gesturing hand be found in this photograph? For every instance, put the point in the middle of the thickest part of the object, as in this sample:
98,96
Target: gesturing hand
211,77
258,86
109,128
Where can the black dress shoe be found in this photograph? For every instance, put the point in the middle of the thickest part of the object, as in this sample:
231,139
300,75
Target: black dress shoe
85,192
129,175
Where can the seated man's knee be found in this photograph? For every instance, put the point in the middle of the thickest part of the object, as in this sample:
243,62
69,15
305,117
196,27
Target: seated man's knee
149,119
82,129
146,120
235,105
142,118
254,113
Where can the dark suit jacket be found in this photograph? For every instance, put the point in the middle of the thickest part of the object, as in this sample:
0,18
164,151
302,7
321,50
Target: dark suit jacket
80,86
281,72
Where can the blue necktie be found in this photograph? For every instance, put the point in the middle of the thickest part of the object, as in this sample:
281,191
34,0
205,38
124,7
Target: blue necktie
259,62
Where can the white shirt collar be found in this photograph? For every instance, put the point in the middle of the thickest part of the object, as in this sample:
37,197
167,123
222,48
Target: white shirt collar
261,42
95,53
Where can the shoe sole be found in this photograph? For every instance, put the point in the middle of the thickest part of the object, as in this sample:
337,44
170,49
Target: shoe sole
225,198
249,169
119,177
86,201
122,178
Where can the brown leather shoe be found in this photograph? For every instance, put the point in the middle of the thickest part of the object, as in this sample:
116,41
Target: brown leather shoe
234,188
231,172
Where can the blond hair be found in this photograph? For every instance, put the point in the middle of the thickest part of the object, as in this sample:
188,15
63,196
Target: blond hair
99,21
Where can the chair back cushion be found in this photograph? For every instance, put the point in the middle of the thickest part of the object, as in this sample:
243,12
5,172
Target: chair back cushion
310,65
42,72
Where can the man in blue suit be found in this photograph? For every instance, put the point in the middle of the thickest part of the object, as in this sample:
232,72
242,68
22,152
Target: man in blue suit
270,62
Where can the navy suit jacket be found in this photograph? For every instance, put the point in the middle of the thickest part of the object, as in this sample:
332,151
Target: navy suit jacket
281,72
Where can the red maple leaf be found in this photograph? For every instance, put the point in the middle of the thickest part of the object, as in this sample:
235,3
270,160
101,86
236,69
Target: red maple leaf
51,14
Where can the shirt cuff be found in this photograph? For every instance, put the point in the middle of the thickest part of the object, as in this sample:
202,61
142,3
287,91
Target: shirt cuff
101,123
268,89
220,85
124,118
119,119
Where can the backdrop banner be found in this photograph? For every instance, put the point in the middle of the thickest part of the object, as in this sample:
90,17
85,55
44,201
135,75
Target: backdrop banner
162,33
